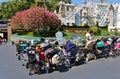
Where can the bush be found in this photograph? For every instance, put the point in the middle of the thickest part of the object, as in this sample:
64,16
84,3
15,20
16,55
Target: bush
22,32
60,28
86,26
114,31
50,33
95,30
35,18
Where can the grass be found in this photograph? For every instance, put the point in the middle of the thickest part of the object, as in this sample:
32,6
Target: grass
25,33
104,32
30,34
71,35
68,35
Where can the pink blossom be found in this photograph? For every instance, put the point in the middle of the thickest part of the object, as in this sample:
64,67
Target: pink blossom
35,18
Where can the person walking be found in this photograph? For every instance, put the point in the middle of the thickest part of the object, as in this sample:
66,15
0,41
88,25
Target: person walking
88,38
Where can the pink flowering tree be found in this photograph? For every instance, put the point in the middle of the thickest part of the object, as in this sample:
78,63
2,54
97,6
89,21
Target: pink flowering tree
35,18
52,20
16,21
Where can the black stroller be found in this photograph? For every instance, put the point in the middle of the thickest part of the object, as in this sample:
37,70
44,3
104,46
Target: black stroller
32,63
72,51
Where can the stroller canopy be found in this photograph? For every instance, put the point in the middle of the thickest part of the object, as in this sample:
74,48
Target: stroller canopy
69,45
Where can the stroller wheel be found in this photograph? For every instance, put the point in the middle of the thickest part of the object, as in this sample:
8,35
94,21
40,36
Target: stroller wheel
47,71
31,72
23,64
16,54
63,68
27,65
39,73
117,53
67,64
19,58
76,63
106,55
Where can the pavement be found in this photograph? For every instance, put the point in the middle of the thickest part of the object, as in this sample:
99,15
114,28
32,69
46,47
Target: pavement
11,68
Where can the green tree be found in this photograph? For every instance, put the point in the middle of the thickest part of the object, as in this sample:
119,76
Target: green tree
67,1
54,5
9,8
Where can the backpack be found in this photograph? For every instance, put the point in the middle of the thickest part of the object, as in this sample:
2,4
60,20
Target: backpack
55,59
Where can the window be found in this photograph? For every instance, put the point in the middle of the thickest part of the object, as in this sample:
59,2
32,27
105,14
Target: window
118,18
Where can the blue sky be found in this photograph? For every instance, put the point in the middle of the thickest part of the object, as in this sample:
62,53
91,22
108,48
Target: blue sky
80,1
3,0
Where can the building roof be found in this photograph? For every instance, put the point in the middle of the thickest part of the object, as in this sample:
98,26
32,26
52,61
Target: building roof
4,21
111,7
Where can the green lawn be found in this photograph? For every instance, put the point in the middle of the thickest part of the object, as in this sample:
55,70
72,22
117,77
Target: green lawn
68,35
104,33
25,33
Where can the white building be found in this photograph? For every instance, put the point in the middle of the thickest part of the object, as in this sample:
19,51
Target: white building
111,18
77,15
102,10
89,13
118,18
114,17
67,14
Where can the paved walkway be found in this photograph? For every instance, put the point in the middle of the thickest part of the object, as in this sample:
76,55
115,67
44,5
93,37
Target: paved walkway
11,68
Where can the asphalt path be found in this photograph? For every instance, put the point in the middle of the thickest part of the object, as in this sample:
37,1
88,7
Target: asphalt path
11,68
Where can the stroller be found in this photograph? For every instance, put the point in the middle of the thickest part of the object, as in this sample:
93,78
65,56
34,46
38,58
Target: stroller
102,50
57,59
87,53
72,51
117,47
1,40
32,62
64,63
52,59
21,49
